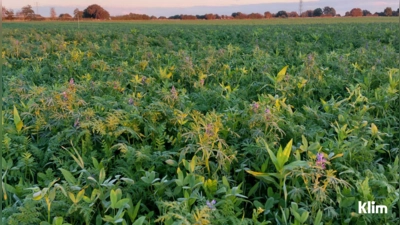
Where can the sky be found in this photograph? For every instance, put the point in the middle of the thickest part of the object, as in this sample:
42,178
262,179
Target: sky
197,7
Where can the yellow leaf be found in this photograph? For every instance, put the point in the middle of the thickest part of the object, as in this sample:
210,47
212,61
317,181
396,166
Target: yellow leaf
281,74
374,129
80,194
277,104
37,196
17,120
255,173
72,197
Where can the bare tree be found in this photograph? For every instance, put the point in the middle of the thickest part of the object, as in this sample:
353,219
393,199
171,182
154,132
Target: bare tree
27,11
78,14
53,14
3,11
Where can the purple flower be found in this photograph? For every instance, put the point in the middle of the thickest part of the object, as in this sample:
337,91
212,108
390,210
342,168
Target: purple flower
320,160
255,106
211,204
130,101
202,82
71,82
267,111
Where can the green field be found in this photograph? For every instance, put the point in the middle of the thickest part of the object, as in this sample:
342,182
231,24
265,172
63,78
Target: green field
282,121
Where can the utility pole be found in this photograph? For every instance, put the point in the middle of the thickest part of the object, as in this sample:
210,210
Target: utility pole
78,19
301,7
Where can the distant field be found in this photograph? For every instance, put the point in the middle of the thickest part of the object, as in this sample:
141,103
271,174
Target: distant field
282,121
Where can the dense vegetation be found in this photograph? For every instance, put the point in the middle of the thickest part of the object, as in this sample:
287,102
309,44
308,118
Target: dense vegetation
200,124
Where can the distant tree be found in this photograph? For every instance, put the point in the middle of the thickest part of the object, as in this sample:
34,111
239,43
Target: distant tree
176,17
366,12
188,17
239,15
281,14
96,12
347,13
317,12
395,13
9,14
356,12
338,15
3,11
162,18
208,16
267,15
27,11
78,14
308,13
329,11
53,13
388,11
293,14
65,16
255,16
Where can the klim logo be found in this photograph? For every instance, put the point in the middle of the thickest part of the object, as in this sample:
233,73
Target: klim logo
370,208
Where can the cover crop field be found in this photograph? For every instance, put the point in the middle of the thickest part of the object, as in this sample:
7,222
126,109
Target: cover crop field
226,122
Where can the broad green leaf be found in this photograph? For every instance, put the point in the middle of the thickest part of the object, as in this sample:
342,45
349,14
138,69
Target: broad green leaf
68,176
281,74
273,157
283,156
113,198
58,221
139,221
121,203
102,175
318,218
171,162
52,194
133,211
295,164
180,180
304,217
347,202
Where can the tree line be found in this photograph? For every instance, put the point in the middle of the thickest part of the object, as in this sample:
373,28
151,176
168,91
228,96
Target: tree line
97,12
